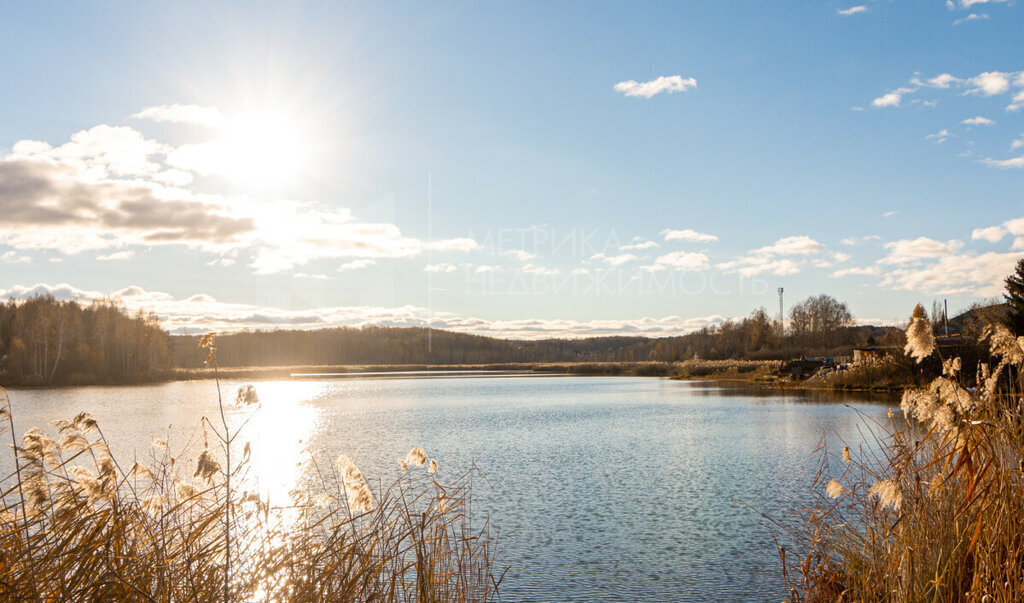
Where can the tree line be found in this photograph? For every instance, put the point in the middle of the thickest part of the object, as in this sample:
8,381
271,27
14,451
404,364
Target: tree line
819,325
48,342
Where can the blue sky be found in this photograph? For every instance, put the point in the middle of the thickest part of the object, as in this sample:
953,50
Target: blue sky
491,168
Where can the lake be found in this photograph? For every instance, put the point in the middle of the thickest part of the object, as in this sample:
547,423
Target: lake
601,488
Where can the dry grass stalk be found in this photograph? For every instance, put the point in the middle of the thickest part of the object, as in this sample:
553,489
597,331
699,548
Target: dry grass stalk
938,517
73,527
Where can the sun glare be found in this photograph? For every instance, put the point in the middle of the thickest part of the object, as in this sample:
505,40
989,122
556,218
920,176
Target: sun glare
261,148
282,423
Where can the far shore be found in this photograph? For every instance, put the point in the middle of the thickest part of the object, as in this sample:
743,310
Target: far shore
636,369
749,372
754,373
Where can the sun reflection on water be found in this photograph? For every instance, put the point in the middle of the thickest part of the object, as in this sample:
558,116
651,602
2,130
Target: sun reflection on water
279,432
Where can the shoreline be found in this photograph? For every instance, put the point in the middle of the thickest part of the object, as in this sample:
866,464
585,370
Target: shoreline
786,385
298,372
726,372
609,369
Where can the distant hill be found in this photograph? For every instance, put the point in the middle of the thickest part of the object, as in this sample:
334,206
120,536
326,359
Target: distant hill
398,345
414,345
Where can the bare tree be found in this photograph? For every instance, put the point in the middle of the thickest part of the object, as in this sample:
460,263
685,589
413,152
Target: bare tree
817,319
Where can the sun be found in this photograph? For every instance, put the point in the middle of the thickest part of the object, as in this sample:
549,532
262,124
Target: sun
259,148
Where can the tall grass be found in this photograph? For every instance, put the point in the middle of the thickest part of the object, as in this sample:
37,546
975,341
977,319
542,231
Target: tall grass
76,524
698,368
937,514
886,374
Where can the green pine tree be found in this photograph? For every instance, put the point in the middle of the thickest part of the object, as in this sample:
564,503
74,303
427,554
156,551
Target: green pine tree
1015,299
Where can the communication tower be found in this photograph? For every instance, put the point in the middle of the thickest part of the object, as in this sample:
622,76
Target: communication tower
782,315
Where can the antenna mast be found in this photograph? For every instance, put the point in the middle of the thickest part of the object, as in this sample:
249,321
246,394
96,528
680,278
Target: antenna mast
781,314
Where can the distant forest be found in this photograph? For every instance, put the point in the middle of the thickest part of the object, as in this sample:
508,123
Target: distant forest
48,342
819,326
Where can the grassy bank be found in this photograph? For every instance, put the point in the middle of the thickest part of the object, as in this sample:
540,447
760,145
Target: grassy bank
883,376
935,516
78,524
746,370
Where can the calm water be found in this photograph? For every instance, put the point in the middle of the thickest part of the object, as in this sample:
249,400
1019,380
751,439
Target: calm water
602,488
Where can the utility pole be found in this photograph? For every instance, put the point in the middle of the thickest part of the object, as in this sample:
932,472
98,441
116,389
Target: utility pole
945,315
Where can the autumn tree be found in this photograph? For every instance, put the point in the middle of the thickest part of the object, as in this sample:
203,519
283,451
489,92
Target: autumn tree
817,319
44,341
1015,299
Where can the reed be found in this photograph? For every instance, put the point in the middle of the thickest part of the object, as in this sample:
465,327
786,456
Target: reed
936,514
74,526
887,374
748,369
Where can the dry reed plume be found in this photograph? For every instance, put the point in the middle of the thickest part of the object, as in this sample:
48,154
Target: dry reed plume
76,526
936,515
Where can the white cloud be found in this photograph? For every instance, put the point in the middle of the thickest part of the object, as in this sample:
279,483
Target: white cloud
892,99
614,260
980,275
1015,226
486,268
971,17
907,251
669,84
1018,143
850,241
117,256
1018,101
59,205
853,10
978,121
356,265
754,265
992,234
970,3
679,260
990,83
939,137
856,271
841,257
442,267
461,244
539,270
12,257
638,244
521,254
689,235
315,277
99,152
290,234
1013,162
110,189
796,245
183,114
943,80
889,214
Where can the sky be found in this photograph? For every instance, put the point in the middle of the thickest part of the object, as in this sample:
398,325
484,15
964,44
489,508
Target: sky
521,169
